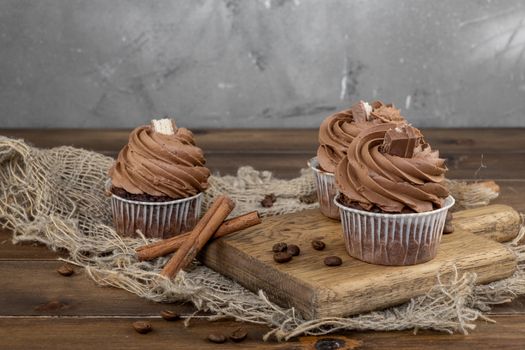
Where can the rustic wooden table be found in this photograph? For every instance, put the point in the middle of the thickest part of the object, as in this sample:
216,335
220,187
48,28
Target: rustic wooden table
39,309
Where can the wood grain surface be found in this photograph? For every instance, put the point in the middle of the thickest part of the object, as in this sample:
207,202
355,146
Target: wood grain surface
500,223
316,290
101,317
471,153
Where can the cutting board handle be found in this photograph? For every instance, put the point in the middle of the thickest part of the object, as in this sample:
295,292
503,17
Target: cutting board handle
498,222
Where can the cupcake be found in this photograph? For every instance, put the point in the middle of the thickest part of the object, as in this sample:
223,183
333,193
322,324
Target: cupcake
392,197
156,183
335,135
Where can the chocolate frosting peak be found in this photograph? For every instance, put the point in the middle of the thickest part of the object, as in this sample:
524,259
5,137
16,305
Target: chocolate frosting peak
338,130
370,177
160,165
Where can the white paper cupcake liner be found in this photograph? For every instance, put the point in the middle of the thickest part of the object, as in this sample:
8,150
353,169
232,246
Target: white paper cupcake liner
326,190
393,239
155,219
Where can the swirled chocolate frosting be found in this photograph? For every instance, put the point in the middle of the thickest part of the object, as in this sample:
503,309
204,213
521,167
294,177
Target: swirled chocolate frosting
160,165
338,130
371,174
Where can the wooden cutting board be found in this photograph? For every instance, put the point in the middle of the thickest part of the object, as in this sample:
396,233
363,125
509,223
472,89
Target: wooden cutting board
316,290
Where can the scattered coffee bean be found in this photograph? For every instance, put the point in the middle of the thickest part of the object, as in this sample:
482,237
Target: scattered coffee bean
333,261
142,327
293,249
318,245
266,203
308,198
282,257
279,247
450,216
217,338
238,335
65,270
169,315
268,200
449,228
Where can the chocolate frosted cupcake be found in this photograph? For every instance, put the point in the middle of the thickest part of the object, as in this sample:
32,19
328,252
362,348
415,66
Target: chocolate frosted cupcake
392,198
335,135
157,181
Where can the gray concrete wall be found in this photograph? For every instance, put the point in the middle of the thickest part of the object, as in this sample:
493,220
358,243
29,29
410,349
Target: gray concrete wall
267,63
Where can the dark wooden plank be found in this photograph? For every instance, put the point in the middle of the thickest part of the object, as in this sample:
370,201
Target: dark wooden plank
287,165
505,334
471,153
70,333
24,251
482,140
512,193
35,288
117,333
274,140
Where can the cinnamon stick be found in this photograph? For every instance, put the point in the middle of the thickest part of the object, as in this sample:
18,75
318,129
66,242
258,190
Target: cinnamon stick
201,234
167,246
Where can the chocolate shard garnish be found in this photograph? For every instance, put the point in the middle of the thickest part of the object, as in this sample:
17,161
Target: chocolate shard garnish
401,141
361,112
376,104
388,113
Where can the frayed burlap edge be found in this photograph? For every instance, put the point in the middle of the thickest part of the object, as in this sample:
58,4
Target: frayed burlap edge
56,197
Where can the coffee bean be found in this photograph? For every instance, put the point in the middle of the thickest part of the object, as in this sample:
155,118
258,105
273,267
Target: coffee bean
333,261
279,247
293,249
268,200
142,327
267,203
449,228
238,335
450,216
65,270
169,315
217,338
282,257
318,245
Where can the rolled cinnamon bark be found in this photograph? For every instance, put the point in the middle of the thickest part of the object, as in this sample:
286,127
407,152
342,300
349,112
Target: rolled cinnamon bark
167,246
201,234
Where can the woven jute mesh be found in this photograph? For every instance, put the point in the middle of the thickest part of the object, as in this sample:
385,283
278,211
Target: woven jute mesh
56,197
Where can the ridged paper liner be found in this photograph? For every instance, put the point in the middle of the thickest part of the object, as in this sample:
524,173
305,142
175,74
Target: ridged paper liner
155,219
393,239
326,190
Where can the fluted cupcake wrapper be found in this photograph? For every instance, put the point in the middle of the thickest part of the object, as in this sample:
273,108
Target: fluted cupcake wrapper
393,239
155,219
326,190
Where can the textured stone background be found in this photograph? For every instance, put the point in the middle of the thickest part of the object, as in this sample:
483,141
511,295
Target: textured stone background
259,63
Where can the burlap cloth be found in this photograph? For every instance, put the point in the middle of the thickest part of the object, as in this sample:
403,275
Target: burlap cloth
56,197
